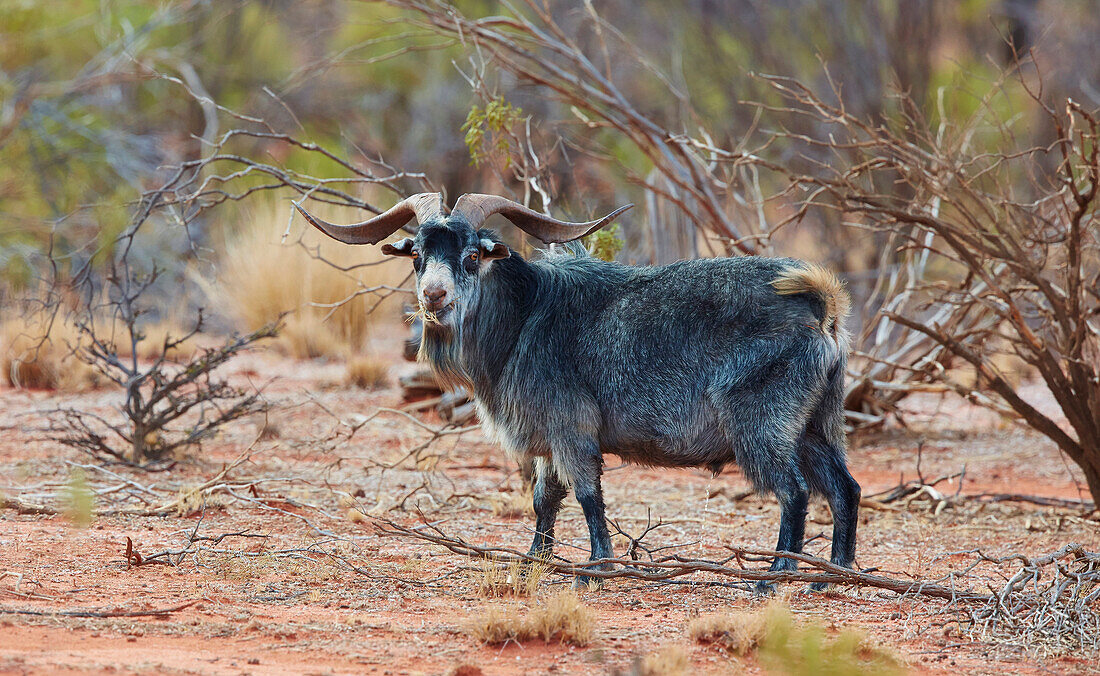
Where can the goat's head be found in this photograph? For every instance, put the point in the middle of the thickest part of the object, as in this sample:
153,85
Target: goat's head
451,251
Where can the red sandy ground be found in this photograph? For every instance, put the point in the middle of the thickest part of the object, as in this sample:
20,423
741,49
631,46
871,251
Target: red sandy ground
279,604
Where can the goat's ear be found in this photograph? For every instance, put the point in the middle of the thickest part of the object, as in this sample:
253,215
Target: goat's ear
400,248
491,250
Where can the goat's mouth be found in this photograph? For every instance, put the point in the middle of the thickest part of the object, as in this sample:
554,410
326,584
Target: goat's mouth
436,316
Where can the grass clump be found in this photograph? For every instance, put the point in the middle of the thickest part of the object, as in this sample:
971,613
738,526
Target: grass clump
367,373
671,660
322,283
737,633
517,579
41,355
787,647
563,617
513,504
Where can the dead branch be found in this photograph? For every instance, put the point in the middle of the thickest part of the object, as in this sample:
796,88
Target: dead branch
671,567
158,612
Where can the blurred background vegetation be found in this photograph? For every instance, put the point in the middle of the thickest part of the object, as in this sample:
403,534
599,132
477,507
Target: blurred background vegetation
89,120
119,121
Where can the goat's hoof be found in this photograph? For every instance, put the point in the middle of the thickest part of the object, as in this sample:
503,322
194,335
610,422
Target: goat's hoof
821,586
764,588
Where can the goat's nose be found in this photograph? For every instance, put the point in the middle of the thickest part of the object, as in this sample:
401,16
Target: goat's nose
433,296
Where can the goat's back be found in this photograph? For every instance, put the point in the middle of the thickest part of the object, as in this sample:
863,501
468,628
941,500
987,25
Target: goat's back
666,364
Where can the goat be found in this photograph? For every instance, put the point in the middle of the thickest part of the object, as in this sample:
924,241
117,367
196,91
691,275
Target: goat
695,364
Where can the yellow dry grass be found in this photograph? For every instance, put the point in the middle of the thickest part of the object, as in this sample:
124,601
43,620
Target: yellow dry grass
513,503
516,579
563,617
671,660
785,645
739,633
260,277
367,372
36,353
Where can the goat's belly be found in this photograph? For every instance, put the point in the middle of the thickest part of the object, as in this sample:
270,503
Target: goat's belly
707,447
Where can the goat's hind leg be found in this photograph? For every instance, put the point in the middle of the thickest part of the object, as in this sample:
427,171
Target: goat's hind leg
829,475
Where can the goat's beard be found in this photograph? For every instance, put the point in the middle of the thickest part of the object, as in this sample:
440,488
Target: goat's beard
441,348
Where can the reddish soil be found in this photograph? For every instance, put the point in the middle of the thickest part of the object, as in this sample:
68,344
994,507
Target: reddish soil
305,589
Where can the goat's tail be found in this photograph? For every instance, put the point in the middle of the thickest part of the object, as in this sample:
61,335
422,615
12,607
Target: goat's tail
820,282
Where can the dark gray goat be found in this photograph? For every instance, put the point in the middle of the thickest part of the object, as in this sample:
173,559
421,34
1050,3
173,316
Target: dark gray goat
695,364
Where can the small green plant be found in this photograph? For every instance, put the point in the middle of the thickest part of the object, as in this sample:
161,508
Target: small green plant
786,647
81,501
486,130
605,244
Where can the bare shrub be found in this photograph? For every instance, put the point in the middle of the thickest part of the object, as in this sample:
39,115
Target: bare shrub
166,405
1011,233
335,293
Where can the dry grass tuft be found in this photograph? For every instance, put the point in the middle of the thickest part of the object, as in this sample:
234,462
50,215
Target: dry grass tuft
672,660
37,355
499,625
367,373
739,633
562,617
260,278
513,504
566,617
516,579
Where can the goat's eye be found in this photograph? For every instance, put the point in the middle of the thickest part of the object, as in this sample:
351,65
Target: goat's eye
473,257
470,263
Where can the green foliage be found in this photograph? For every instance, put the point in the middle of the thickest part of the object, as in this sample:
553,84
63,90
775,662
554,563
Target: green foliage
605,244
796,650
81,502
486,130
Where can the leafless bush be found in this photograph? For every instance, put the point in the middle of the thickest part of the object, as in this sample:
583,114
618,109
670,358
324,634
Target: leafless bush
702,197
166,405
1050,605
1003,254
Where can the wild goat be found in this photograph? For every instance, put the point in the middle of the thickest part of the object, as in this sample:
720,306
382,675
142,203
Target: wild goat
697,363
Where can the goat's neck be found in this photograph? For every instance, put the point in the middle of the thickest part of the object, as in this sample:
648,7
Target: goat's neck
494,320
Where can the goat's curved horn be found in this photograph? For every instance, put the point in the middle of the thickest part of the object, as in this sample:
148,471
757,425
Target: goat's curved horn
475,208
423,206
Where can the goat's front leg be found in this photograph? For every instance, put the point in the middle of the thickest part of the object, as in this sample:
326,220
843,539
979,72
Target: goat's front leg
548,494
589,492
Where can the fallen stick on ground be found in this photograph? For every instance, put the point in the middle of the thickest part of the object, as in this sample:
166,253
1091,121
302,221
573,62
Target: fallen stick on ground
20,507
677,566
99,613
1086,505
